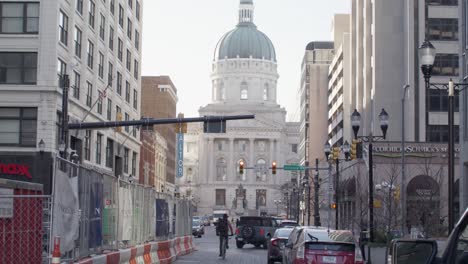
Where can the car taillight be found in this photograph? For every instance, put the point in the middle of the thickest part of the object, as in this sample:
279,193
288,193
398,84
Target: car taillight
358,256
262,231
274,242
237,231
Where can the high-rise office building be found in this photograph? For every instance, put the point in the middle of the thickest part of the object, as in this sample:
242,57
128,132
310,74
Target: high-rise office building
97,44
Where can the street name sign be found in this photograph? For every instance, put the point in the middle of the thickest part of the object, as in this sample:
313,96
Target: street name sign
294,167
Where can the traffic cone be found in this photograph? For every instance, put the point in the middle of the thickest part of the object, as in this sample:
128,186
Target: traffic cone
56,253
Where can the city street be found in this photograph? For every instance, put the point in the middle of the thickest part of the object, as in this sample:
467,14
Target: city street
208,251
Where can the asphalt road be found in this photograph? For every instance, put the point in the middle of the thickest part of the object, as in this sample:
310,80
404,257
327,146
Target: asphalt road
207,251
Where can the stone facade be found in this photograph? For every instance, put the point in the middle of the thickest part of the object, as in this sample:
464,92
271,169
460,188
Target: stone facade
426,189
244,84
80,48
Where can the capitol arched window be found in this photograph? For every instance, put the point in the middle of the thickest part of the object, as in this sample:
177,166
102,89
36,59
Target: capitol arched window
221,91
266,92
244,91
221,170
261,171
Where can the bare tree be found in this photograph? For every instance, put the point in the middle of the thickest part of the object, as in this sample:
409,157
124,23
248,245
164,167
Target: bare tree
425,207
387,191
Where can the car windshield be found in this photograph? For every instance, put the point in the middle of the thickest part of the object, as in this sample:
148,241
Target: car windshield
283,232
218,215
195,222
255,221
331,236
289,223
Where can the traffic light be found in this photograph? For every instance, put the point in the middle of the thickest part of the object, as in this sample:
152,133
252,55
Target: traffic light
273,167
396,194
335,153
333,206
241,167
353,152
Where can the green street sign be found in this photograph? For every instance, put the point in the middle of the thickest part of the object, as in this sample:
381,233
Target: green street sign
293,167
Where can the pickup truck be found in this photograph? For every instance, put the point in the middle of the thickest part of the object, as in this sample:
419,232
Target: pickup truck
404,251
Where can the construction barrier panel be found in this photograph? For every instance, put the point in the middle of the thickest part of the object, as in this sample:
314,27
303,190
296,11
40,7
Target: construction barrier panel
163,252
115,215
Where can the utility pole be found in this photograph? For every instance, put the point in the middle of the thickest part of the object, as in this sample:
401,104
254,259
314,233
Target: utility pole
329,193
308,191
371,192
316,195
337,194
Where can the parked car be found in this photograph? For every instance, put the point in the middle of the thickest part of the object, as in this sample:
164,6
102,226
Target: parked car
404,251
276,244
197,228
321,245
256,230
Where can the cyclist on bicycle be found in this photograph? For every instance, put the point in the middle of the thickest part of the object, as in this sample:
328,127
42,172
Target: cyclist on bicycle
223,232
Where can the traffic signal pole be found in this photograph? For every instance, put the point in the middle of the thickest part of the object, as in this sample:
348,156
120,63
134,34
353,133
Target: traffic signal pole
152,121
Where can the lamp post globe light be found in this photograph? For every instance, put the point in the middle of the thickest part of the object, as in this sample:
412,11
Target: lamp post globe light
427,55
346,149
384,119
327,149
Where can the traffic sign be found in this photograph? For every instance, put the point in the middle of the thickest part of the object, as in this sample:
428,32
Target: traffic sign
294,167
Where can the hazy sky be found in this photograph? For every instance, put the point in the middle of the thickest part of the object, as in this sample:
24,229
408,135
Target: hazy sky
180,36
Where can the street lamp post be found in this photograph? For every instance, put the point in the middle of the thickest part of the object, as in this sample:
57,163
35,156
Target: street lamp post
403,152
427,54
356,123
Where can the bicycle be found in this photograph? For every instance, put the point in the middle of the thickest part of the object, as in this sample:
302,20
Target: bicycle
224,246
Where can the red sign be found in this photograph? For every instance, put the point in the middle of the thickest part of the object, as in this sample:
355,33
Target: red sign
15,169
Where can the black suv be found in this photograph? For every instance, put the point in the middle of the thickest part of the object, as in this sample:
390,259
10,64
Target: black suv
255,230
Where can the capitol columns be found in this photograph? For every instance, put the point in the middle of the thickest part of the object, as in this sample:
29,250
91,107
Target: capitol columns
232,164
274,178
211,159
251,178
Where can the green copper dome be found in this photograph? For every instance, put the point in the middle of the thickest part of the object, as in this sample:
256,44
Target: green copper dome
245,41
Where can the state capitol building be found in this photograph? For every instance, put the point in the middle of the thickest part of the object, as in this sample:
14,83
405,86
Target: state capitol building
244,81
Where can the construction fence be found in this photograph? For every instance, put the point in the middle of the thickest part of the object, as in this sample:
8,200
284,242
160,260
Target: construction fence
90,211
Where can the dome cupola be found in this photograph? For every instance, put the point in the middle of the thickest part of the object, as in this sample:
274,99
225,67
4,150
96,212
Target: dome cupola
245,41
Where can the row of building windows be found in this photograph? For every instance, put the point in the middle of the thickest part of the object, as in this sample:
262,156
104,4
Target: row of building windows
442,2
220,92
76,89
446,65
260,197
443,28
18,67
438,101
90,48
110,157
440,133
19,17
18,126
261,173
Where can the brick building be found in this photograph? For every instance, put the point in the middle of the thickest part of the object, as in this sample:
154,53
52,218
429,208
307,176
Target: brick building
159,100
